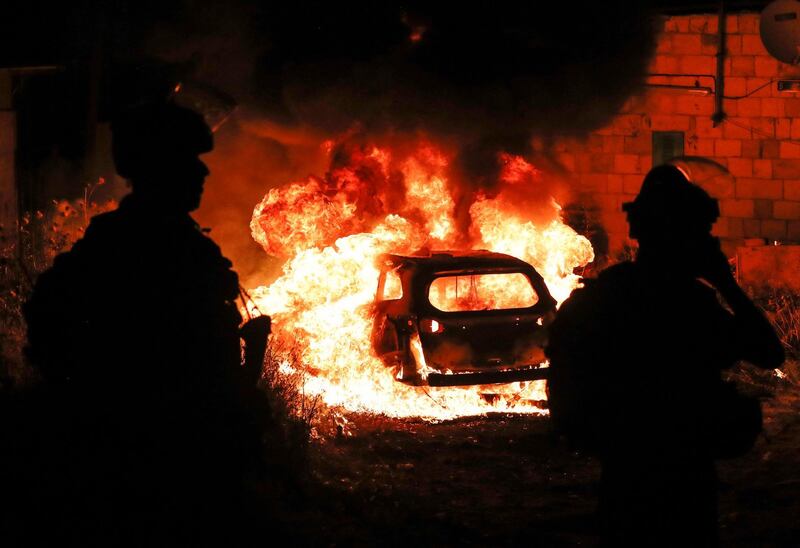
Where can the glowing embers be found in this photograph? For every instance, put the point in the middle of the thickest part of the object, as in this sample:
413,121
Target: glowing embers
374,201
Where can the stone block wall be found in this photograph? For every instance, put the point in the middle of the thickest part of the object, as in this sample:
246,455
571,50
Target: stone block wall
750,162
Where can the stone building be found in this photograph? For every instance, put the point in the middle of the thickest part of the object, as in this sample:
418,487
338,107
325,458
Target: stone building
750,160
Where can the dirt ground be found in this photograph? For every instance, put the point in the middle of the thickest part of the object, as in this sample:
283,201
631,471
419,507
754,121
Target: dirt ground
506,480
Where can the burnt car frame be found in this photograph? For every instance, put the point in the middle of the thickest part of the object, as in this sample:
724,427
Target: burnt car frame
437,346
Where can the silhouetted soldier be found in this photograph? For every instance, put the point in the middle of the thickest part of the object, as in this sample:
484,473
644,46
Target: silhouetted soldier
636,357
136,334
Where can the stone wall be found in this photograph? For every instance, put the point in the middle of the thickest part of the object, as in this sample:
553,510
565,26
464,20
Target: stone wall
750,162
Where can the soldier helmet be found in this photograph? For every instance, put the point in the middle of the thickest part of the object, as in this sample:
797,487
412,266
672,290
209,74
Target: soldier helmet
669,202
144,136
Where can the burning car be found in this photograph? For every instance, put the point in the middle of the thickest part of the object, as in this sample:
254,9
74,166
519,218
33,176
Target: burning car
461,318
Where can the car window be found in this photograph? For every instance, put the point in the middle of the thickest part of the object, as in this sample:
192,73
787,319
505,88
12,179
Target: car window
482,292
392,287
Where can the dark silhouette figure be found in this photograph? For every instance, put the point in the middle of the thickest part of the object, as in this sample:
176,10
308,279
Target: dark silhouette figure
636,357
145,429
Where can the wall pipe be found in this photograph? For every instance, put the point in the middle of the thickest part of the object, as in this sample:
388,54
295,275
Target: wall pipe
719,113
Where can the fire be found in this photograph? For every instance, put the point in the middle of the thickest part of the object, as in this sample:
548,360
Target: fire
333,229
553,249
312,218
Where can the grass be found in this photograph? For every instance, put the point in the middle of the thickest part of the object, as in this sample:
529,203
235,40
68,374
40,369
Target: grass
785,316
783,310
294,412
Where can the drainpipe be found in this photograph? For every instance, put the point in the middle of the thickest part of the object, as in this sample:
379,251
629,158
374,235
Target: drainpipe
719,114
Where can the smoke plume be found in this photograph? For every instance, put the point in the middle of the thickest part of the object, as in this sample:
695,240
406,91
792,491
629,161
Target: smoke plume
481,79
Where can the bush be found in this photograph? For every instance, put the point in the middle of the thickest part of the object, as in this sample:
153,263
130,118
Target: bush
293,411
23,255
783,310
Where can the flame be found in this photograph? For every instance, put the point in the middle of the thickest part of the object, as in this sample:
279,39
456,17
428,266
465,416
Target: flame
429,193
310,218
332,231
553,249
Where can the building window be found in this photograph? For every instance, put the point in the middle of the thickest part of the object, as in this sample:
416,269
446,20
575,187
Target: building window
666,146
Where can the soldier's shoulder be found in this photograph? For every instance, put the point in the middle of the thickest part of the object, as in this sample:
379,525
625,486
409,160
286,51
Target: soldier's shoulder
616,280
112,216
105,225
618,275
623,271
610,286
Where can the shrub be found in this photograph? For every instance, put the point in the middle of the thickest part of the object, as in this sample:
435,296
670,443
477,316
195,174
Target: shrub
25,251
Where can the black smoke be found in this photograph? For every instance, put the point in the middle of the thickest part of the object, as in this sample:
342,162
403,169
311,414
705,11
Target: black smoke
492,75
481,79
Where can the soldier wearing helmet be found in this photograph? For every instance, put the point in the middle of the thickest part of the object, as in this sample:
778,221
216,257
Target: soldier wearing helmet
157,148
671,213
136,331
636,357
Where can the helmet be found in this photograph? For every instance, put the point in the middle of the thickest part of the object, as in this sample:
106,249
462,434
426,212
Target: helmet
669,203
144,136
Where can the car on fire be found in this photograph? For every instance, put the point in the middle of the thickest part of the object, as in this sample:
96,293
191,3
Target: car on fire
461,318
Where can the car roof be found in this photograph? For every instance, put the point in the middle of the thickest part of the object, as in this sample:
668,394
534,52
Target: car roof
452,260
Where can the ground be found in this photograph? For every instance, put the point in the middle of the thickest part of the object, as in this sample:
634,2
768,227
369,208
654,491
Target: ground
506,480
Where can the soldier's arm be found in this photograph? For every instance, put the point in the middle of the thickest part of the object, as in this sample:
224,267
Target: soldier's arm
752,333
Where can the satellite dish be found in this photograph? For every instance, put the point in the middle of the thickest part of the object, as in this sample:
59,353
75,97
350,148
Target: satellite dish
780,30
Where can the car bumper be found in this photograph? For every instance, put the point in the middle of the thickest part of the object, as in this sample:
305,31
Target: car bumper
487,377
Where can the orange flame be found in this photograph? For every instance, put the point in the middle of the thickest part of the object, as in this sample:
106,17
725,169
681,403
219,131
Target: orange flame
333,230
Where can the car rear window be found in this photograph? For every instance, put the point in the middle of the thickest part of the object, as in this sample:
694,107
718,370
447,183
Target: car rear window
474,292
